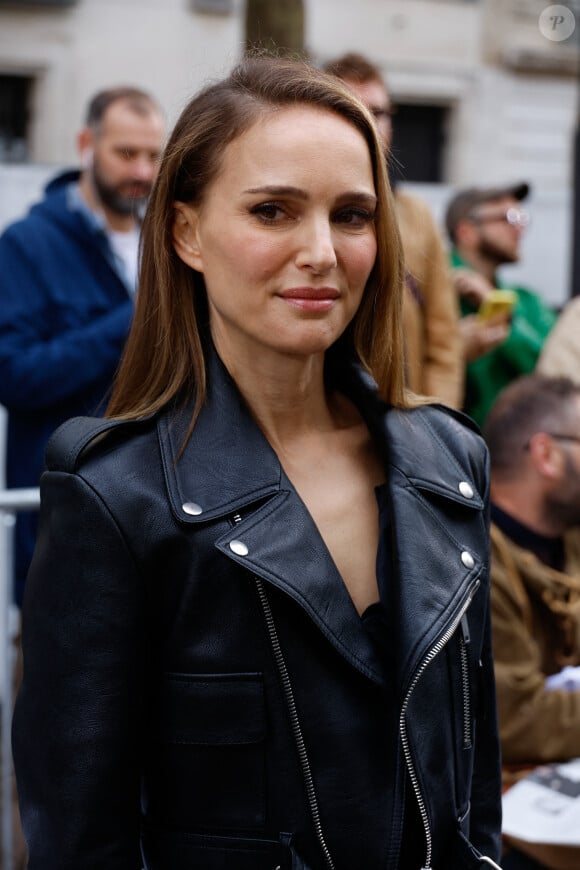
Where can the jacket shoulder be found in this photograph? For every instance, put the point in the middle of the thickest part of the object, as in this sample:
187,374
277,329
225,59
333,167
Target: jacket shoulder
437,446
443,418
446,416
76,438
32,227
458,431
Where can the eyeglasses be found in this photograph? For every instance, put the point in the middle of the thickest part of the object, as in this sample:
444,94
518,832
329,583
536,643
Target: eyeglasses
515,217
561,437
557,436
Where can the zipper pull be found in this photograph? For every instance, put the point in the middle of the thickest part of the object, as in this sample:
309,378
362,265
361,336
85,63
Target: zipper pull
465,633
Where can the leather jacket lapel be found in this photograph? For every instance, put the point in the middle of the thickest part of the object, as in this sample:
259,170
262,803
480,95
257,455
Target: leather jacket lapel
229,469
285,548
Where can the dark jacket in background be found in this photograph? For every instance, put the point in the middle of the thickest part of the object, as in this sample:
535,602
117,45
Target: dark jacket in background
173,600
64,316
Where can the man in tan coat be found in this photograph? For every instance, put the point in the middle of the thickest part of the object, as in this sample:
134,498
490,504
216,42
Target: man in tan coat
433,345
533,435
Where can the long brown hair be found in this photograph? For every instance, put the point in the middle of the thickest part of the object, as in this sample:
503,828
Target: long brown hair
164,355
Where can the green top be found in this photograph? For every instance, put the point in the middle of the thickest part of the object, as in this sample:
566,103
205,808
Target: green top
485,377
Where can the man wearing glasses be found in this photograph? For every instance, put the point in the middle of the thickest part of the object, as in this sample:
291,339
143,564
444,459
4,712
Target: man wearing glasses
533,436
485,227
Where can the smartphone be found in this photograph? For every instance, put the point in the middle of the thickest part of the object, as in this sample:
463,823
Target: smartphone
497,302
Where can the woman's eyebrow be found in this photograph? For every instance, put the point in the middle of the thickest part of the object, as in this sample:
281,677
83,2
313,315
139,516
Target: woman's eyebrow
279,190
359,196
288,190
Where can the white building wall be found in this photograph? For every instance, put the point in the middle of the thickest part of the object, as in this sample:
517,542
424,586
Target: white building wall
160,45
398,34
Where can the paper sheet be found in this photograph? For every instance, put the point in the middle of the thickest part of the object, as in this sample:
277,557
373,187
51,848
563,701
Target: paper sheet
545,806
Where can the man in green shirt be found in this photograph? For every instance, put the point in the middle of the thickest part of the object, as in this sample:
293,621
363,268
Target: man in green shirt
485,227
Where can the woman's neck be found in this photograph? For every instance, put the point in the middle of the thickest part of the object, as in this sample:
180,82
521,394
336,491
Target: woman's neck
287,395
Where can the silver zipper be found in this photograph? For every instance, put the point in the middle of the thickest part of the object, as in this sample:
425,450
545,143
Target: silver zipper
294,722
433,653
489,861
464,641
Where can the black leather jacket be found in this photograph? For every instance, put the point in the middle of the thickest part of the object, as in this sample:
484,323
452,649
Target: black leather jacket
199,690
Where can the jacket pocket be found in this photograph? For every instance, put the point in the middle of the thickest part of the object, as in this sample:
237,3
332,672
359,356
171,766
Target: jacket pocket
166,849
212,709
207,769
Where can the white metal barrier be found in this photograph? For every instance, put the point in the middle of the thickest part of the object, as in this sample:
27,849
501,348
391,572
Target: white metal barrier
12,501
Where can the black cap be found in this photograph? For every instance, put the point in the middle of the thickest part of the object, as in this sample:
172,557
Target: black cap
464,202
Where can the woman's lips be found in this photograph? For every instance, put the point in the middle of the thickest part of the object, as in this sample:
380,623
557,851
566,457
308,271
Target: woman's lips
311,298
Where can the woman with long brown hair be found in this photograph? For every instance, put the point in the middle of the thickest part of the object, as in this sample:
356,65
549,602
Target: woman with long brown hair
256,627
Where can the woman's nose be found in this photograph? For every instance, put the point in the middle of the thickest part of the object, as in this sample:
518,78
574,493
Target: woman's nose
317,250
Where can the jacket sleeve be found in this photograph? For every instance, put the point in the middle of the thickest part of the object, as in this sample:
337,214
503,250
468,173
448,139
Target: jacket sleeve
79,713
536,725
47,355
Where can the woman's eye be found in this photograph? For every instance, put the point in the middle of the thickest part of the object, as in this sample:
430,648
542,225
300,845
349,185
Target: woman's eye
354,217
269,212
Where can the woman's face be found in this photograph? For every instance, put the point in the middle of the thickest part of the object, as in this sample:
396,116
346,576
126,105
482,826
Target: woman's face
285,236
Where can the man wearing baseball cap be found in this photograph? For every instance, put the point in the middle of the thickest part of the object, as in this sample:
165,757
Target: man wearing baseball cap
485,226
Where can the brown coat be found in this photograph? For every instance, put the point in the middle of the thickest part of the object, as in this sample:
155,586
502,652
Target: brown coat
560,354
434,359
536,632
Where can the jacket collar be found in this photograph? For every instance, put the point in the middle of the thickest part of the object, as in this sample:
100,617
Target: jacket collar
228,468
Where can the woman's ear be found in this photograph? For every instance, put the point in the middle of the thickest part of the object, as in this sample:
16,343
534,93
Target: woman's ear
185,235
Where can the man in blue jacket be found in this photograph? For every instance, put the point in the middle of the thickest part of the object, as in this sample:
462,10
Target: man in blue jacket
68,274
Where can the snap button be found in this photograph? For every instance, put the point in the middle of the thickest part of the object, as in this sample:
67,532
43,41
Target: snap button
191,508
467,559
239,548
465,489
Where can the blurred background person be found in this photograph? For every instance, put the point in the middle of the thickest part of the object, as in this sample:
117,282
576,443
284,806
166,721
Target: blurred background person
533,435
561,351
433,350
485,226
68,273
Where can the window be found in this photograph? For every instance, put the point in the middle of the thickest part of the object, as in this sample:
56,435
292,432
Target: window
418,142
15,94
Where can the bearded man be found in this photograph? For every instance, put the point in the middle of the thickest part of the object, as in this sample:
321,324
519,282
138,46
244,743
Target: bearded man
533,436
485,227
68,273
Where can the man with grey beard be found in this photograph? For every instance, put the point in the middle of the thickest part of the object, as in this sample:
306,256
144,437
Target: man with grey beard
68,274
533,436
